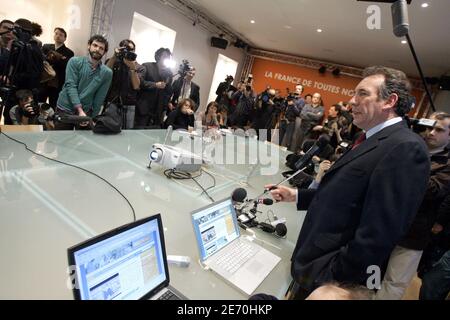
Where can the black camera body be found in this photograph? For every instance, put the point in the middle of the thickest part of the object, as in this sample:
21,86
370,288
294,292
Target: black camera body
125,53
185,67
36,110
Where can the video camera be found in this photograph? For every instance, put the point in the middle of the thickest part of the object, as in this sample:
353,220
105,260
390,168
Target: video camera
126,53
421,125
185,68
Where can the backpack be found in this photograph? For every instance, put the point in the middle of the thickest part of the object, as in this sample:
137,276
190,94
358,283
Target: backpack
110,121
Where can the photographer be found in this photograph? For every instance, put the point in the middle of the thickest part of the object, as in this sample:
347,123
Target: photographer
224,93
291,115
126,81
263,113
156,89
24,65
57,55
241,117
184,87
27,112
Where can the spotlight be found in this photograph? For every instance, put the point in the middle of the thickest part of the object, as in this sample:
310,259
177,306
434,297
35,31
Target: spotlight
322,69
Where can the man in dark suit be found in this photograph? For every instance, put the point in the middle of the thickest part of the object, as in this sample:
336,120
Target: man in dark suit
58,55
185,88
367,201
156,89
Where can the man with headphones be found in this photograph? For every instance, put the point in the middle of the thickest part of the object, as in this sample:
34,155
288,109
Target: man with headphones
156,89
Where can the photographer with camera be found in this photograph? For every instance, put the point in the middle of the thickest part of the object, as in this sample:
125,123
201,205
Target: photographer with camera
184,87
127,74
24,65
156,91
264,113
57,55
28,112
224,93
241,116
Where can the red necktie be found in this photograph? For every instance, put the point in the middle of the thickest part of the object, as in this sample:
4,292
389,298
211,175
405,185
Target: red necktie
360,140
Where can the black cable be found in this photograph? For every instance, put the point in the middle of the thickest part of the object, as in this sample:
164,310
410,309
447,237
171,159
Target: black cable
422,76
73,166
181,175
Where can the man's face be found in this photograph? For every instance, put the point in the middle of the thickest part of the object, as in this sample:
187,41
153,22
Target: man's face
333,112
316,99
299,90
26,102
7,36
97,50
440,135
59,37
190,75
368,110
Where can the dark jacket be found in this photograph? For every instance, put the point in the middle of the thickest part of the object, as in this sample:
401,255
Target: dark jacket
59,65
194,96
179,120
121,91
150,99
364,205
419,235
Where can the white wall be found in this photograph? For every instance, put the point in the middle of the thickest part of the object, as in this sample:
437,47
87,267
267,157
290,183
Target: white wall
442,101
72,15
192,43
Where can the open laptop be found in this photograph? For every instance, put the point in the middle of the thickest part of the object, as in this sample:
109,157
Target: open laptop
128,263
240,261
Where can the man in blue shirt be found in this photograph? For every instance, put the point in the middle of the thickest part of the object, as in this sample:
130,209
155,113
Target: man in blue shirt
87,84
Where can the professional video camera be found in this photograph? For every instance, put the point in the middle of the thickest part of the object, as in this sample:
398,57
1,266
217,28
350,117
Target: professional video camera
421,125
185,68
126,53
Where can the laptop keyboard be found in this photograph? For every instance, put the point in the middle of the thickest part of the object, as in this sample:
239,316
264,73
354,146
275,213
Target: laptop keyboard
236,255
169,296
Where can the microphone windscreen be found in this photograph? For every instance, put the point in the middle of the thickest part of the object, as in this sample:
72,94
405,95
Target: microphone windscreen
281,230
268,202
239,195
400,18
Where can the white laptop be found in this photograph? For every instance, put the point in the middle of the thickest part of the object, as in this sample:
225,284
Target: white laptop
240,261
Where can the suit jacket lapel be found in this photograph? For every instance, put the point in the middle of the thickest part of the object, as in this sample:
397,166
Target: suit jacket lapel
366,146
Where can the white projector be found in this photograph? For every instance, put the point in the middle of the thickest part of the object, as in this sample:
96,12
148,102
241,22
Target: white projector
175,158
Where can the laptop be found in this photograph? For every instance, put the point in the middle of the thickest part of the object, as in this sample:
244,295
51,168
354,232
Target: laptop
128,263
239,261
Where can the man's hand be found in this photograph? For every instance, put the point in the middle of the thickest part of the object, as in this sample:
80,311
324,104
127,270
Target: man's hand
170,106
29,109
318,128
81,113
323,168
437,228
282,194
160,85
130,64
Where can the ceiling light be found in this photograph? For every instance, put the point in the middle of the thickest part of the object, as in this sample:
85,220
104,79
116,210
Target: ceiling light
425,5
252,21
287,27
404,42
319,30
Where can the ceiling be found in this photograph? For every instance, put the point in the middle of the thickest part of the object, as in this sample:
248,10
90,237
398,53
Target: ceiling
290,26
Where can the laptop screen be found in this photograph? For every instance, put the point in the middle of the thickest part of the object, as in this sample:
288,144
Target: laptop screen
125,266
215,227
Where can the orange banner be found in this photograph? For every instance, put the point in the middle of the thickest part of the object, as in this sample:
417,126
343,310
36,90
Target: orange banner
282,76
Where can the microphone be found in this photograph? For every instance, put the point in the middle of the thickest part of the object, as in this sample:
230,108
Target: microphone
280,230
400,18
266,202
316,149
239,195
70,119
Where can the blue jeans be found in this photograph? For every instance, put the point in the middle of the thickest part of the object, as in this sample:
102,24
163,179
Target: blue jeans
436,282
